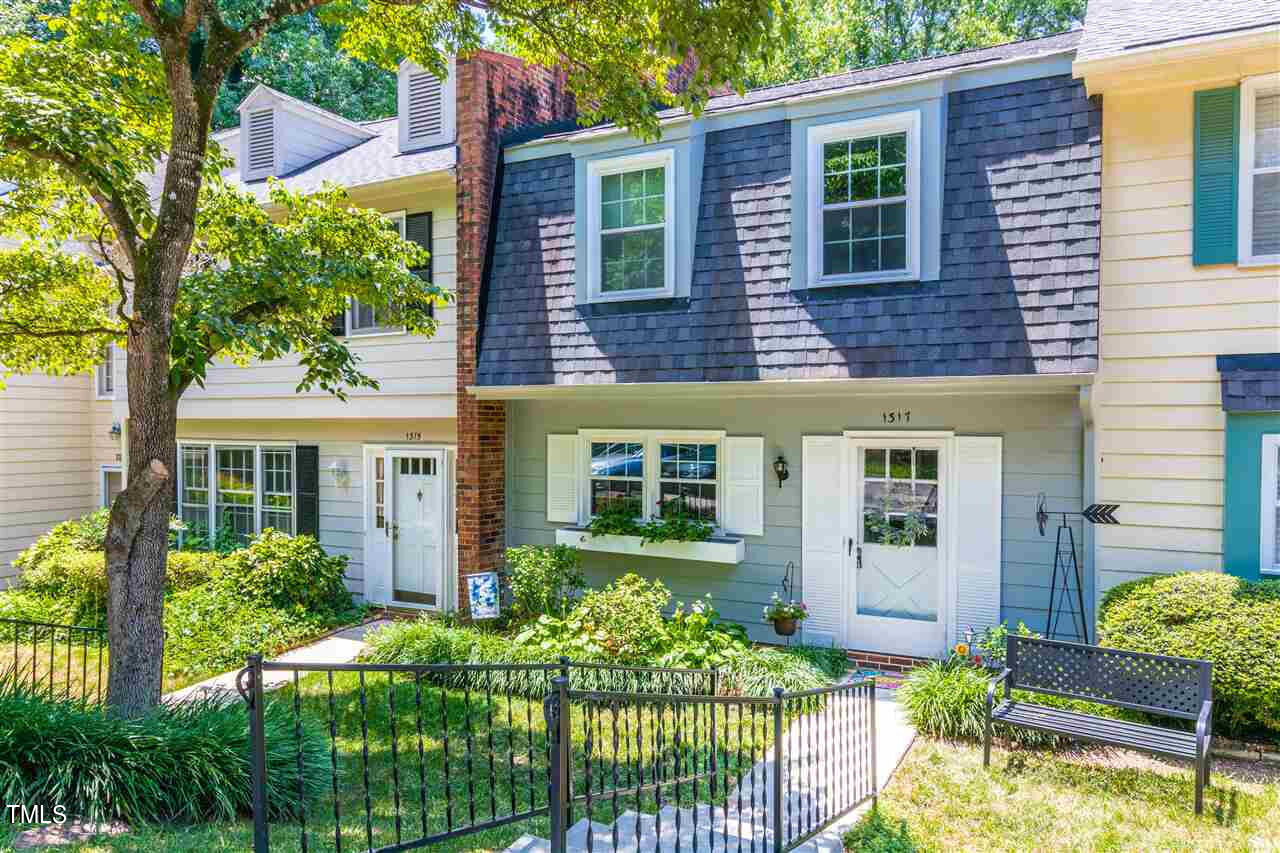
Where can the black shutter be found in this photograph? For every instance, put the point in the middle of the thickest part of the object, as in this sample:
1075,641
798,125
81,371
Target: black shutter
338,325
417,229
306,488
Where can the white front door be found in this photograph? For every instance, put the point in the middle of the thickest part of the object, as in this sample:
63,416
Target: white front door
896,524
416,522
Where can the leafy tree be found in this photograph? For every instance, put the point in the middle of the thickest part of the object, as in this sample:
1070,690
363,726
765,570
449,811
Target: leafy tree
191,269
301,57
828,36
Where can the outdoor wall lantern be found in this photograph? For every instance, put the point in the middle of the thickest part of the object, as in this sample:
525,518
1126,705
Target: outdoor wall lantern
115,430
341,474
780,468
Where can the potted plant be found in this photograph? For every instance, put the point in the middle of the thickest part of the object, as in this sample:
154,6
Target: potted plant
785,615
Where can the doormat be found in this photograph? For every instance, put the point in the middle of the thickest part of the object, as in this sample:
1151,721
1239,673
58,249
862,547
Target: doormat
884,680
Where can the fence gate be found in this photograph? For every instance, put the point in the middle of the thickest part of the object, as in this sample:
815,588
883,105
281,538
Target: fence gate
391,757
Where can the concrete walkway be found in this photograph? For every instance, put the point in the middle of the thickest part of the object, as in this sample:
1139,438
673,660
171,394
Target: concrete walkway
341,646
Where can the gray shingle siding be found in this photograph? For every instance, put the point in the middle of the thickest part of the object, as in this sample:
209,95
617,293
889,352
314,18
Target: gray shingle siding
1017,294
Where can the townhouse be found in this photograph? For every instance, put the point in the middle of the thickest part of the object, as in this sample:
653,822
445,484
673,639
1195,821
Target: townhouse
374,477
851,322
1186,404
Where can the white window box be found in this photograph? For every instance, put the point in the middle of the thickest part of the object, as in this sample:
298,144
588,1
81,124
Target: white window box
717,549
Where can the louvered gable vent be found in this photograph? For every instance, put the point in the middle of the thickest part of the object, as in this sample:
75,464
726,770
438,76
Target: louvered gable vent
426,107
262,143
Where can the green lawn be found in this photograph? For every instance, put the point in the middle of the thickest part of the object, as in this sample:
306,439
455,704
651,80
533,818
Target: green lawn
488,771
1094,800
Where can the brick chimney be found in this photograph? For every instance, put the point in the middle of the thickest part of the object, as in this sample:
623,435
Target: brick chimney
495,94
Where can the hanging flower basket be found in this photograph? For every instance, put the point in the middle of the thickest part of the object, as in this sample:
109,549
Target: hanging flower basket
785,627
785,615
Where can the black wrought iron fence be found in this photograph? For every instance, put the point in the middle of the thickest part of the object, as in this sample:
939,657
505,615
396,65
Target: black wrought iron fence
417,754
59,661
651,771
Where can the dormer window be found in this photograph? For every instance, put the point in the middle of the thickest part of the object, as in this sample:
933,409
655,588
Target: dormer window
260,144
631,233
425,107
864,200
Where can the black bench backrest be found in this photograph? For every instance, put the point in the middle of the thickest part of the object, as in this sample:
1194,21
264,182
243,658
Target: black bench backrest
1172,687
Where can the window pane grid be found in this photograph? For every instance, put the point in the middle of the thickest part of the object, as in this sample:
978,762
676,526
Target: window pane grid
193,508
277,490
235,493
1265,176
898,482
617,473
379,493
633,230
864,205
687,475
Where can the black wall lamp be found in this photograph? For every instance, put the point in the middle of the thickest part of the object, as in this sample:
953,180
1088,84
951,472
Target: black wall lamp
780,468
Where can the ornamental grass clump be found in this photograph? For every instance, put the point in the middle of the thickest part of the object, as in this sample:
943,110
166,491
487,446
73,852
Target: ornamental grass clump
185,763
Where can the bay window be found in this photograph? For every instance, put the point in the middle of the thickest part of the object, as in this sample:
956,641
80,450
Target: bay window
244,488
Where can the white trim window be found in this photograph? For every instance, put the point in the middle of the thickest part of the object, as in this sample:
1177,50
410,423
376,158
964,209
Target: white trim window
631,227
688,476
864,200
615,472
104,381
247,486
363,319
1260,170
1270,527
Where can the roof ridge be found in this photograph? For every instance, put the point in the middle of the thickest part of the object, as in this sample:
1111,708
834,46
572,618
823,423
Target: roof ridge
910,61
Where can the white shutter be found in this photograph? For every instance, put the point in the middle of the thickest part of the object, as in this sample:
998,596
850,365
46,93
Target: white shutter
743,505
975,520
823,538
562,478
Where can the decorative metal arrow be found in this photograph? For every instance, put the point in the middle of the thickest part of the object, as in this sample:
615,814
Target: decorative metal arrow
1101,513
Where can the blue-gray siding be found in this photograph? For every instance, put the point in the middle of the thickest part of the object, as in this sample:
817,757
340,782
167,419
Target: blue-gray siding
1018,290
1043,453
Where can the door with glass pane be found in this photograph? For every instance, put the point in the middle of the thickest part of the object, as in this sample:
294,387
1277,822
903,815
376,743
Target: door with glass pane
415,523
898,567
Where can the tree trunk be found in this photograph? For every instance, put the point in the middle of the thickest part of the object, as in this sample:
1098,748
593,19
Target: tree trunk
138,532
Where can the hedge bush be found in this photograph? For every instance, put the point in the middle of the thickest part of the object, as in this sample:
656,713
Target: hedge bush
545,579
280,570
1233,622
187,762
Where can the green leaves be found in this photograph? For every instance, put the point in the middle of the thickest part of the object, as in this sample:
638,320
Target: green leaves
265,286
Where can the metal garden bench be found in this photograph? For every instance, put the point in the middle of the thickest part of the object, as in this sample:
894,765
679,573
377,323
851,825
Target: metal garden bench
1153,684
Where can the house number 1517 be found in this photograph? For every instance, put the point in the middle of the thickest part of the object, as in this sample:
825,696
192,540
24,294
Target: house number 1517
898,417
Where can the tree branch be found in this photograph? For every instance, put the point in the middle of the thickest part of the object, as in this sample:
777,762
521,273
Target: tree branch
151,14
17,330
107,199
120,278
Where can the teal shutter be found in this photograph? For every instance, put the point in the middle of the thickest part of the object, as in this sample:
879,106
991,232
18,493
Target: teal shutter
1217,157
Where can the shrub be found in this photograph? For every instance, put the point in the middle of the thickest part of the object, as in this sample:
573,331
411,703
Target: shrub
698,639
77,580
209,630
280,570
185,762
544,579
874,834
1221,618
625,618
78,534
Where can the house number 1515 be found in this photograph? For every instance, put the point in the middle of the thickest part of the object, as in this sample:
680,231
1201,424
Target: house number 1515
898,417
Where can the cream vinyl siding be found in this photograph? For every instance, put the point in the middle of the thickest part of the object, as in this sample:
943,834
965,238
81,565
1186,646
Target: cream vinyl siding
340,441
404,365
46,458
1157,406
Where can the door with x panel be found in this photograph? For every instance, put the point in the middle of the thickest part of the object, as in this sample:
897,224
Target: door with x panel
897,510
